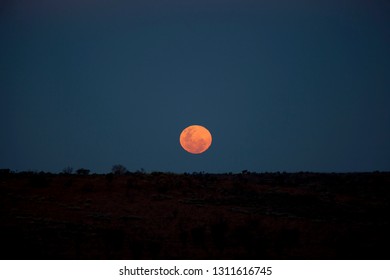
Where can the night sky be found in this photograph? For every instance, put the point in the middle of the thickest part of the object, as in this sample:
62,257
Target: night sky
281,85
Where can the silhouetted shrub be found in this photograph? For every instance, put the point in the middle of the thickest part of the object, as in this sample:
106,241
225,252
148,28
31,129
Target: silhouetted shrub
82,171
119,169
67,170
141,171
5,172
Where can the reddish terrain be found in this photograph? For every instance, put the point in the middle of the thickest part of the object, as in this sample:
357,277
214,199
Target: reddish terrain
195,216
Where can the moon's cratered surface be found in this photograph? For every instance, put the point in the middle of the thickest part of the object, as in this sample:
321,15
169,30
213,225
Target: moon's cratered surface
195,139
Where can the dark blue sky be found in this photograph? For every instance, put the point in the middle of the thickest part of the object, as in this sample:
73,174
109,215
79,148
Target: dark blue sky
281,85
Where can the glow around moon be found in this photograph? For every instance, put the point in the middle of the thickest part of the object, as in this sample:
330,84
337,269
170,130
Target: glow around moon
195,139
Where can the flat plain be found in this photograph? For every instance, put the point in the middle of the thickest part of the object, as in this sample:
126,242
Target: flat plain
195,216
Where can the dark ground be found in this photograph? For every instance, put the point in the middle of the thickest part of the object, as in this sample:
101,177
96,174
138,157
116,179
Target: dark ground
195,216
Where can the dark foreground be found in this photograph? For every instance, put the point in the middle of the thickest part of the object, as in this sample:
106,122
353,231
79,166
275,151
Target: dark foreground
198,216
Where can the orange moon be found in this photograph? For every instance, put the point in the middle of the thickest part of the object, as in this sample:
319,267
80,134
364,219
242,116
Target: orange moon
195,139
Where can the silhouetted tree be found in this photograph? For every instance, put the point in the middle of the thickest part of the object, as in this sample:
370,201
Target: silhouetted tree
67,170
119,169
5,171
141,171
82,171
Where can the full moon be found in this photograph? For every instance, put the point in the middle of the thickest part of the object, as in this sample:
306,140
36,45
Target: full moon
195,139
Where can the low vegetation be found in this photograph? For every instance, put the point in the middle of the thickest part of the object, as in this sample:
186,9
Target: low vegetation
124,215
